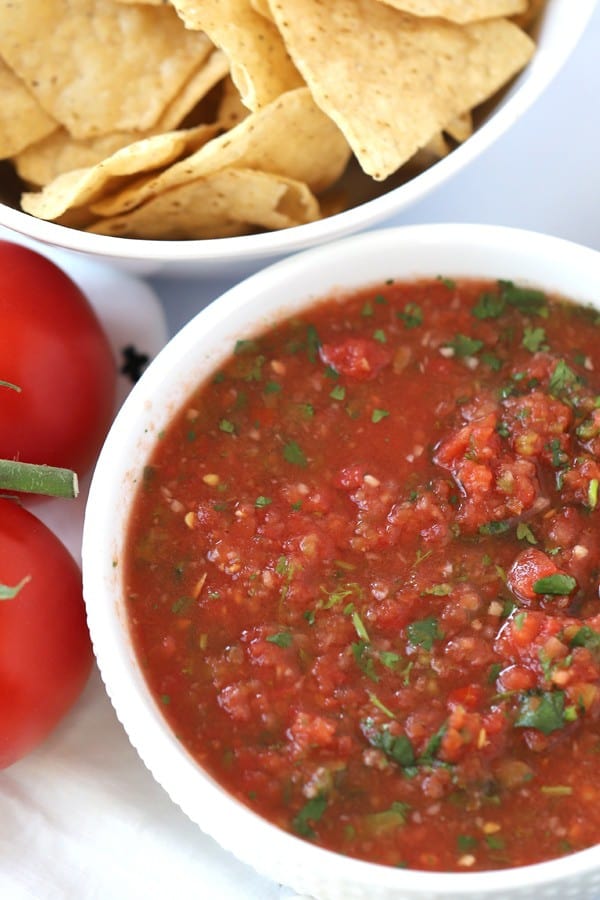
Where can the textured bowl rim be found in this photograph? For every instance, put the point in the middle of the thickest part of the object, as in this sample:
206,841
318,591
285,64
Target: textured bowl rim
570,20
233,825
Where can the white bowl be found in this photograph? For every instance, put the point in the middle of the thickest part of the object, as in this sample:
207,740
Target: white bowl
557,34
188,359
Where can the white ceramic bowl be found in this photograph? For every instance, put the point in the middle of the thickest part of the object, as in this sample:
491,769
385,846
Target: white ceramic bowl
189,358
559,30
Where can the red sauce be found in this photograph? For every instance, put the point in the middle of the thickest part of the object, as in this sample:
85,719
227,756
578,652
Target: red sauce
362,575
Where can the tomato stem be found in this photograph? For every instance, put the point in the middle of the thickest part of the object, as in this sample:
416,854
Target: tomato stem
31,478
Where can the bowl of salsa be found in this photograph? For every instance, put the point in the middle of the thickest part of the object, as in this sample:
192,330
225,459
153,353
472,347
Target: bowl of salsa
341,564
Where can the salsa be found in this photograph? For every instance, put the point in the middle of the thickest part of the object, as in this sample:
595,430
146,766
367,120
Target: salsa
363,569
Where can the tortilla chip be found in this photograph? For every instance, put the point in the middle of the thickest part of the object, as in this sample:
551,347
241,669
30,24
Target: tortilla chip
391,81
59,152
230,110
213,70
231,195
262,7
22,119
97,66
80,187
532,13
460,128
260,65
460,11
291,137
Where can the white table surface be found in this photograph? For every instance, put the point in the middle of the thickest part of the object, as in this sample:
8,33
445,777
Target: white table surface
544,174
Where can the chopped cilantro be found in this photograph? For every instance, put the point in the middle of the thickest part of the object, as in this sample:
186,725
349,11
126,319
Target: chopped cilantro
586,637
262,501
396,747
542,710
562,378
367,309
282,639
359,627
310,812
312,343
489,306
463,346
439,590
227,426
491,360
338,392
389,659
433,745
465,843
381,706
494,528
272,387
412,315
524,533
447,282
378,414
533,339
310,617
558,584
527,300
294,454
379,335
494,841
424,632
360,652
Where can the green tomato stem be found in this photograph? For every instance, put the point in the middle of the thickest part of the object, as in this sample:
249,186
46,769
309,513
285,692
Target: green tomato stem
31,478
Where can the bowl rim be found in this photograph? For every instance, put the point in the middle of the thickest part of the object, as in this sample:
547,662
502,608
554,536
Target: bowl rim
523,91
126,688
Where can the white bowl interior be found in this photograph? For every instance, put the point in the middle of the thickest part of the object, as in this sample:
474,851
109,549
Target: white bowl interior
561,26
189,358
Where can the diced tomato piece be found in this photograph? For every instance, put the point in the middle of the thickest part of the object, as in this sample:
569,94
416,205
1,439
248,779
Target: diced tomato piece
358,358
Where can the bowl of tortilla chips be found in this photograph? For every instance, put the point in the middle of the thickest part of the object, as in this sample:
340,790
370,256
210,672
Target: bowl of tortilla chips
214,137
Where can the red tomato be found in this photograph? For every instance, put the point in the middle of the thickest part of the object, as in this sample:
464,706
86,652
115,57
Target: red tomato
52,347
45,649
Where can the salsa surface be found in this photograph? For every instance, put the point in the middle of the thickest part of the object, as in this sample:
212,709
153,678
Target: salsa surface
362,575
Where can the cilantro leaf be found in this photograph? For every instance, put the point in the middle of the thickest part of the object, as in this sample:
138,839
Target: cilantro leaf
293,453
489,306
424,632
463,345
527,300
282,639
412,315
396,747
544,711
310,812
533,338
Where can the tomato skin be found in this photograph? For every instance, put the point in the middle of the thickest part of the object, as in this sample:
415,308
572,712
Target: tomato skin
54,348
45,648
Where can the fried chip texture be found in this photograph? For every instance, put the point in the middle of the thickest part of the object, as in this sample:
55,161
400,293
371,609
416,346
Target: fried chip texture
219,200
97,66
391,81
260,65
22,119
460,11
